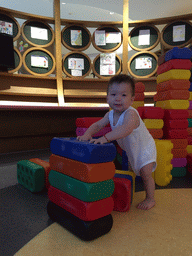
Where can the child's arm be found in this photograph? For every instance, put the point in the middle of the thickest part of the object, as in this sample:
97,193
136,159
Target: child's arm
131,122
94,128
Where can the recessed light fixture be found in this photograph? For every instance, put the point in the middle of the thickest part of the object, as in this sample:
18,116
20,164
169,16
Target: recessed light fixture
111,13
63,3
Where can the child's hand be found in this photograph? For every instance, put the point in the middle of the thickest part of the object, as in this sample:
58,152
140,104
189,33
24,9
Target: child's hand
84,137
101,140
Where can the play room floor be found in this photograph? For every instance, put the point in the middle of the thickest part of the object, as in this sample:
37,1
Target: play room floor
25,228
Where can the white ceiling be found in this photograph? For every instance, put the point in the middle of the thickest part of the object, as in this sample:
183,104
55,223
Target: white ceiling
99,10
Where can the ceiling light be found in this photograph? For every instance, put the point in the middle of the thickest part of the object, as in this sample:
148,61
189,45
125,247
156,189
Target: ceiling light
111,13
63,3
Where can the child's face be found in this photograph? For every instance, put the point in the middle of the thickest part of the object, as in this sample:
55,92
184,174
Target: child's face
120,97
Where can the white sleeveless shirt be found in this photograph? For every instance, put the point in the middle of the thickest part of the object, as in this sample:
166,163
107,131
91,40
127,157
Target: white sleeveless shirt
139,145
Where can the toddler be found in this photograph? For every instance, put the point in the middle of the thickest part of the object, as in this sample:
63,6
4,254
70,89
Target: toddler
130,133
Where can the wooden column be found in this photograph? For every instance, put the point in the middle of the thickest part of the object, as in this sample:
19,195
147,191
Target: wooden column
125,35
58,55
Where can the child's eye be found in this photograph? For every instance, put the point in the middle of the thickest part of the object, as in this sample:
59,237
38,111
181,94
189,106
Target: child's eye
124,95
113,94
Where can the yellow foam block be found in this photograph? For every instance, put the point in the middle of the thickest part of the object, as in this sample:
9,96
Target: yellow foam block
163,171
132,174
173,104
153,123
137,104
189,149
174,74
190,97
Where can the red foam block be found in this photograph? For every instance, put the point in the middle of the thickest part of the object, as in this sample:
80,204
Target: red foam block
176,114
87,211
122,194
176,124
85,122
174,64
151,112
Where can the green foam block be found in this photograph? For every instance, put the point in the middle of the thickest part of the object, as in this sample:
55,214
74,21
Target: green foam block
87,192
31,175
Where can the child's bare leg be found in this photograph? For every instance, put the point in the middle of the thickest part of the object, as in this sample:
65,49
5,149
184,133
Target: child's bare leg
149,186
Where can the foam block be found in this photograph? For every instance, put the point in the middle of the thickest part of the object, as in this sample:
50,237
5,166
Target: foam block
174,64
83,210
179,171
173,95
176,124
189,149
173,104
178,53
46,166
190,113
189,140
189,130
190,105
190,88
189,159
85,230
156,133
137,104
83,151
179,143
80,131
139,97
31,175
175,114
179,162
87,192
122,194
179,153
174,133
153,123
151,112
139,87
81,171
179,84
86,122
174,74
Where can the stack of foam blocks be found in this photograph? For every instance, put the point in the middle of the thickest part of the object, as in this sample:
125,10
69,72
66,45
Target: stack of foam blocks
81,191
139,95
173,96
189,147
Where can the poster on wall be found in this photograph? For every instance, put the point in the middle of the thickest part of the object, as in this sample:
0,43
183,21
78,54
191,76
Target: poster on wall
179,33
76,37
113,37
39,61
76,63
144,37
100,37
6,27
143,63
39,33
107,64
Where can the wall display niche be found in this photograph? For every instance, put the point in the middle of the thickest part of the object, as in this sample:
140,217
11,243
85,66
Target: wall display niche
37,33
177,34
144,38
11,26
76,37
103,70
76,65
143,64
38,61
107,38
18,61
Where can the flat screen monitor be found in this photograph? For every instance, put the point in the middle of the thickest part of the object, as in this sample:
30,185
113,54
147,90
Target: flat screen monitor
7,60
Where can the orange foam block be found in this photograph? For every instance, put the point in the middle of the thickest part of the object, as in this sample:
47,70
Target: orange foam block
139,87
173,95
179,153
139,97
46,166
179,143
156,133
180,84
82,171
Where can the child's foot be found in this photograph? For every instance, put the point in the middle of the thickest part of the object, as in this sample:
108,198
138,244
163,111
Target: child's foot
146,204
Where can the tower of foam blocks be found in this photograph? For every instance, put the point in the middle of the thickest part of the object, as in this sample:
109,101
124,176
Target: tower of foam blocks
81,186
173,96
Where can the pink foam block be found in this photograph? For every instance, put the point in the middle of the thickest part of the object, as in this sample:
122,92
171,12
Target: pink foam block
80,131
122,194
179,162
87,211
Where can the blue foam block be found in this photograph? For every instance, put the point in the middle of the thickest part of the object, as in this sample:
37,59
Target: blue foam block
190,89
178,53
83,151
125,162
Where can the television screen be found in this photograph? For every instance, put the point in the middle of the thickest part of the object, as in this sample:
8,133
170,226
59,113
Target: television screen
7,60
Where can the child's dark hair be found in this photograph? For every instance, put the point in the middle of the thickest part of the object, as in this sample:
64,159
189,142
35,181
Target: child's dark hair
118,79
